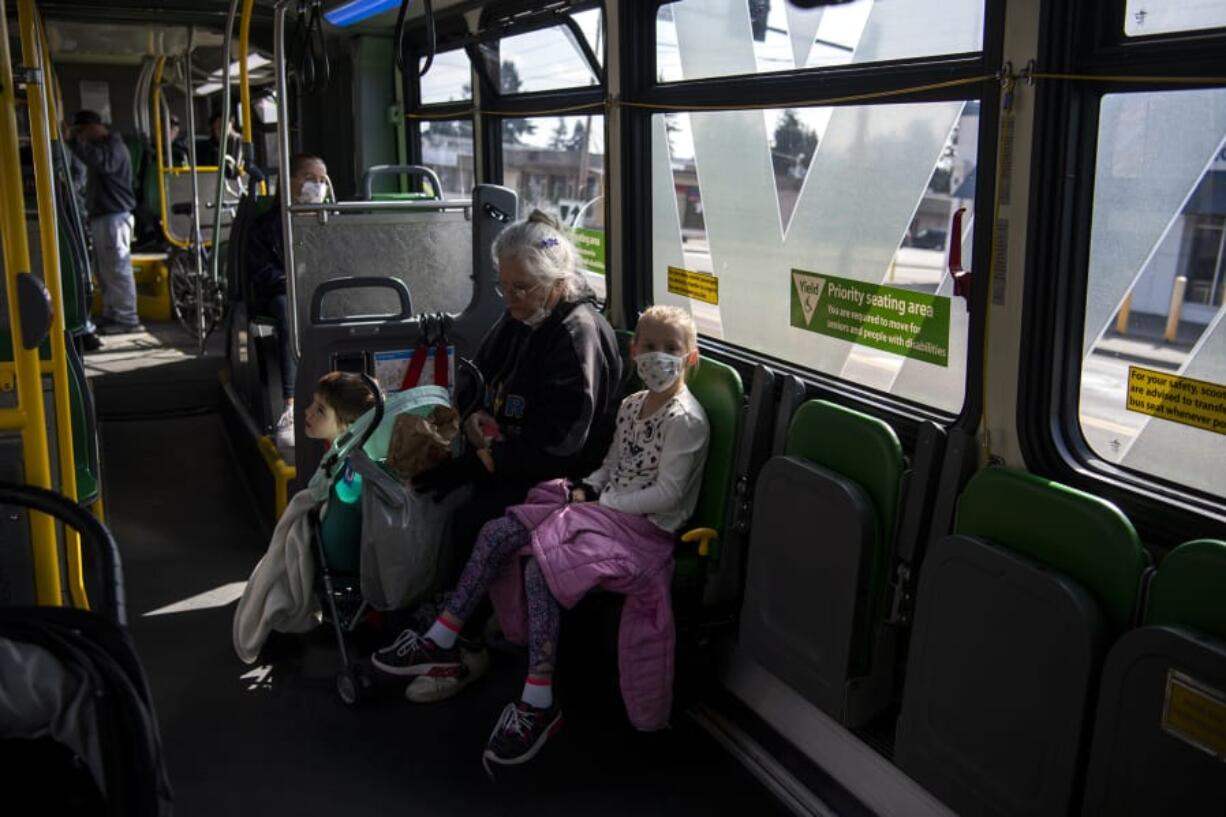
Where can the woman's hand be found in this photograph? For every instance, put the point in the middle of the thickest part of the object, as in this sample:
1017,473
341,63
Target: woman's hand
480,428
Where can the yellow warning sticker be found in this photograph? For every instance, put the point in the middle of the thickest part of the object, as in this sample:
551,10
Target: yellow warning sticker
1195,403
1195,713
701,286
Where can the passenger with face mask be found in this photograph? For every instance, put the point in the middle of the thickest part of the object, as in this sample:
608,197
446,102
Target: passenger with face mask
552,377
308,184
613,528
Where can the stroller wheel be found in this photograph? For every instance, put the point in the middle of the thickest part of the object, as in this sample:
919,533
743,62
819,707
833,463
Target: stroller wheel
349,687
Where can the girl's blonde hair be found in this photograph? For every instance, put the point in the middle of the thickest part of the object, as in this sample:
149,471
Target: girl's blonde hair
673,316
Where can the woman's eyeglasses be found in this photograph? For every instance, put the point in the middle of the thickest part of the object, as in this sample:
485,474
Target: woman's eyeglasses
514,292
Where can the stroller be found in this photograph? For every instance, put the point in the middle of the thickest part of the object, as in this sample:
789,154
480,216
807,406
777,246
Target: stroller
377,544
77,729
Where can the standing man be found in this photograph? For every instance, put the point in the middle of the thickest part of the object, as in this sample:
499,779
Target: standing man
109,204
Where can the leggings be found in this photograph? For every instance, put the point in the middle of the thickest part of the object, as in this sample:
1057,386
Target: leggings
499,540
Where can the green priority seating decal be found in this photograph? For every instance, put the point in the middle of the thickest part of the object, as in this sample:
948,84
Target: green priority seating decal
900,321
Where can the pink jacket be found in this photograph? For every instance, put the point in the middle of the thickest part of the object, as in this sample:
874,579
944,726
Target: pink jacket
583,546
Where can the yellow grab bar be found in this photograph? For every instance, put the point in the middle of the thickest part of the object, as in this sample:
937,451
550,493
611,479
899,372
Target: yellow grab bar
30,406
44,185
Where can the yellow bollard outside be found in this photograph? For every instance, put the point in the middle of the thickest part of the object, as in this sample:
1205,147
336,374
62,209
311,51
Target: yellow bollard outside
1121,320
1172,315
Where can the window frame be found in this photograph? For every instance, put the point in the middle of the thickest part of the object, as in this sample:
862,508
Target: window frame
1076,39
777,89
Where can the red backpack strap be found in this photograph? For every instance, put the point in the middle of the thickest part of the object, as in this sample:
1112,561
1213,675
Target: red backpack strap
417,364
441,368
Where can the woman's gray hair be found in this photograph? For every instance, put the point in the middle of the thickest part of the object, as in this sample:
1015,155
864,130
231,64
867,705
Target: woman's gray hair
545,249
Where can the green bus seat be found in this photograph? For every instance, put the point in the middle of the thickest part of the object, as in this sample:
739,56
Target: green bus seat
1160,730
1014,613
719,390
824,518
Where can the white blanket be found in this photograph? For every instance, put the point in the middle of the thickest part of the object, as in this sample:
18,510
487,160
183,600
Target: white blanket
280,593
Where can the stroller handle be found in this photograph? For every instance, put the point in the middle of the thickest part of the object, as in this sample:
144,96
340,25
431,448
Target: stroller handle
94,536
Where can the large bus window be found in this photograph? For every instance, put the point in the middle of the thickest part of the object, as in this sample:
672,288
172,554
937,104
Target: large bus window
698,39
792,212
557,164
543,60
447,147
1145,17
819,236
1153,377
448,80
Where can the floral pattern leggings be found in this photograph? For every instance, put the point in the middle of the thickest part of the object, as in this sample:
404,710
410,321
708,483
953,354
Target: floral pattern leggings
499,540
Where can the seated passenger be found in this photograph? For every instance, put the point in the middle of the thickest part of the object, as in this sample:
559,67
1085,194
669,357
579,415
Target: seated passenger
552,376
613,529
279,595
266,270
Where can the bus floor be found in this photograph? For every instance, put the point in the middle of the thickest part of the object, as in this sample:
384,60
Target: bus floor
275,739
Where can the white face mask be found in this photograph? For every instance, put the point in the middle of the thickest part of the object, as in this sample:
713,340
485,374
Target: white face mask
659,370
537,318
312,193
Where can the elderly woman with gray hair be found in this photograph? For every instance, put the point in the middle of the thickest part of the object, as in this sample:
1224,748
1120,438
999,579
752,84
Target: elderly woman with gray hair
552,376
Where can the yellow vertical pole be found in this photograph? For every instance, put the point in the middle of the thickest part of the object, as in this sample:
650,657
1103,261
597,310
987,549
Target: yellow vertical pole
38,104
30,406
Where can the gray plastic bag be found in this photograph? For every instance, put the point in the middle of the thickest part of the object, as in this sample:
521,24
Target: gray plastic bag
403,533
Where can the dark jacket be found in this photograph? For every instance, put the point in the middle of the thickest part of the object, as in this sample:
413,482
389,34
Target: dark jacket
109,188
554,392
265,264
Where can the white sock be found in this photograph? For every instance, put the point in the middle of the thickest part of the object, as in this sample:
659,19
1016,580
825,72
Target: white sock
538,692
442,635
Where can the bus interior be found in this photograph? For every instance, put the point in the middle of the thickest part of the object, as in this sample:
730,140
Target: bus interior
957,270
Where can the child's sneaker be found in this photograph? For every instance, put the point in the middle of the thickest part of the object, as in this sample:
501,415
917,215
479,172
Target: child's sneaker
441,684
520,733
410,654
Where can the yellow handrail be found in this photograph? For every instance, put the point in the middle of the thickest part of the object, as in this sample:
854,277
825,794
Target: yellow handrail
44,183
244,87
36,460
156,101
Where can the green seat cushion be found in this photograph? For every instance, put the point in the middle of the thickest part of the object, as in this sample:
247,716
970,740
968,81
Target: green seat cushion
718,389
866,451
1189,589
855,445
1084,537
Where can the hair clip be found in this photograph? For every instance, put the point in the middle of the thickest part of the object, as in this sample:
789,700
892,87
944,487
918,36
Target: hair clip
546,243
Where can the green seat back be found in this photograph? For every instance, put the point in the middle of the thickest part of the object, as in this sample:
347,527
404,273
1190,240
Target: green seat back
71,280
1084,537
865,450
717,387
1189,589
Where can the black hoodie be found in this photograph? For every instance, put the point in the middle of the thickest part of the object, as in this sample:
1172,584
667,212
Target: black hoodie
554,391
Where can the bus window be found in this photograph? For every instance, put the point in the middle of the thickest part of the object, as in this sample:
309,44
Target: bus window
557,164
819,236
1153,373
447,147
448,80
543,60
698,39
1145,17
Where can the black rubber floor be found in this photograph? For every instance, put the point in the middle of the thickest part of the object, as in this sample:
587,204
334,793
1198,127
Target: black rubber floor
277,740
